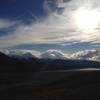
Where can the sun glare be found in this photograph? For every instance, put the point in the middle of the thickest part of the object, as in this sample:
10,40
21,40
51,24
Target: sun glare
87,20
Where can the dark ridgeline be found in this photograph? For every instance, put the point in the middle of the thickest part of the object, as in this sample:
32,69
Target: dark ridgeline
37,79
35,64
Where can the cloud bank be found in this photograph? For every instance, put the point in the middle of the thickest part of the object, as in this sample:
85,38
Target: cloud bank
57,27
53,54
90,54
93,54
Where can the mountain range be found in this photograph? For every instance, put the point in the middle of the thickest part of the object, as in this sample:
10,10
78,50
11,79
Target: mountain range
48,79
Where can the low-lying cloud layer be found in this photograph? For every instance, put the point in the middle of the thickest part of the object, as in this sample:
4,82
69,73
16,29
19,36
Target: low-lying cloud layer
57,27
92,54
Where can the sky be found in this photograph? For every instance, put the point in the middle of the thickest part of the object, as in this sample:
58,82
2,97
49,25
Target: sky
40,25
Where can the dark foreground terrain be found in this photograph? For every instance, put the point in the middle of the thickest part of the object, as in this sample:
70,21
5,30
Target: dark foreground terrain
84,85
35,79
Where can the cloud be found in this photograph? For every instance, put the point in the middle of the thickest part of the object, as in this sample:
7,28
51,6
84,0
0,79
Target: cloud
53,54
57,27
21,53
90,54
49,54
5,23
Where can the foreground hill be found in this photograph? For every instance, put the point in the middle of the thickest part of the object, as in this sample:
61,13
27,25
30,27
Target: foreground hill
47,79
84,85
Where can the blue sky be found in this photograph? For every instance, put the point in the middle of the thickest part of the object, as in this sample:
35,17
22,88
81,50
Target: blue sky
45,24
20,8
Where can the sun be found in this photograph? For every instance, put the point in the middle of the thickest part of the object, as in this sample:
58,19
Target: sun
87,20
